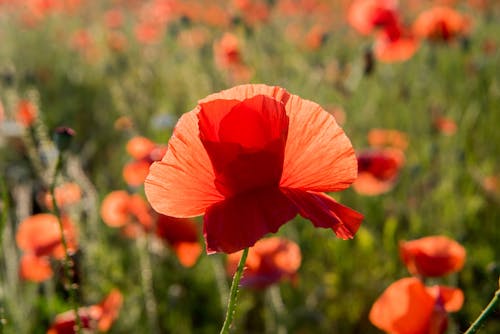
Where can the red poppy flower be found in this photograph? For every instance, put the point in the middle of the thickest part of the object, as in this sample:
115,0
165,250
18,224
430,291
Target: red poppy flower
144,151
182,236
409,307
441,24
66,194
251,158
26,113
95,317
39,237
119,209
432,256
394,44
269,261
227,51
445,125
367,15
378,170
380,138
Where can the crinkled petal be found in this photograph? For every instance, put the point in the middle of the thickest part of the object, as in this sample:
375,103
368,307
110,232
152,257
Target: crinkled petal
318,154
324,212
240,221
182,184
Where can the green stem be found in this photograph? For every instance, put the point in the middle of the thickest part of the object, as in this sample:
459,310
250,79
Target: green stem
67,262
487,312
234,293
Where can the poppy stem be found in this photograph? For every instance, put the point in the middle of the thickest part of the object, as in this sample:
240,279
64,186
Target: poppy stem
234,293
487,312
67,262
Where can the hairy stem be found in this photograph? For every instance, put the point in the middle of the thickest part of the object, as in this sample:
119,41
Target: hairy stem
233,296
71,287
487,312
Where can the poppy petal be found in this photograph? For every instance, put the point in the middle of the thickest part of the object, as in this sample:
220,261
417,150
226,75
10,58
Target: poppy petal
319,156
325,212
246,143
452,298
182,183
405,307
187,252
240,221
35,268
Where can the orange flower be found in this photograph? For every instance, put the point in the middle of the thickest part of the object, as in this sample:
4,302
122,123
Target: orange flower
394,44
182,236
139,147
367,15
409,307
441,24
227,51
432,256
251,158
269,261
66,194
446,126
26,113
378,170
113,18
95,317
119,209
39,237
380,138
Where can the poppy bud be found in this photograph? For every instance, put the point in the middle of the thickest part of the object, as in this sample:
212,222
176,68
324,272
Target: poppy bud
62,137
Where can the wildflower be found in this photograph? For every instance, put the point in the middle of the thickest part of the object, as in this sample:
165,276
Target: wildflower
269,261
26,113
144,151
66,194
381,138
441,24
368,15
182,236
119,209
39,237
432,256
227,51
95,317
445,125
394,44
407,306
378,170
251,158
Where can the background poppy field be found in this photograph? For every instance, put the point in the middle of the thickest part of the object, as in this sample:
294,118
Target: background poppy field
117,70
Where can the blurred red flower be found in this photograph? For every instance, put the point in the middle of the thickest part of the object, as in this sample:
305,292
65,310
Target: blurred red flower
26,113
368,15
269,261
129,212
407,306
441,24
95,317
39,237
445,125
251,158
144,151
182,236
394,44
381,138
432,256
67,194
378,170
227,51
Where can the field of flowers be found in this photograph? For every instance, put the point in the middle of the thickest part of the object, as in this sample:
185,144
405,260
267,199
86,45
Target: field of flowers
355,143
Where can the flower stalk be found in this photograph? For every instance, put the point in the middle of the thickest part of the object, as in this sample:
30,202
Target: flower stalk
233,296
71,286
487,312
